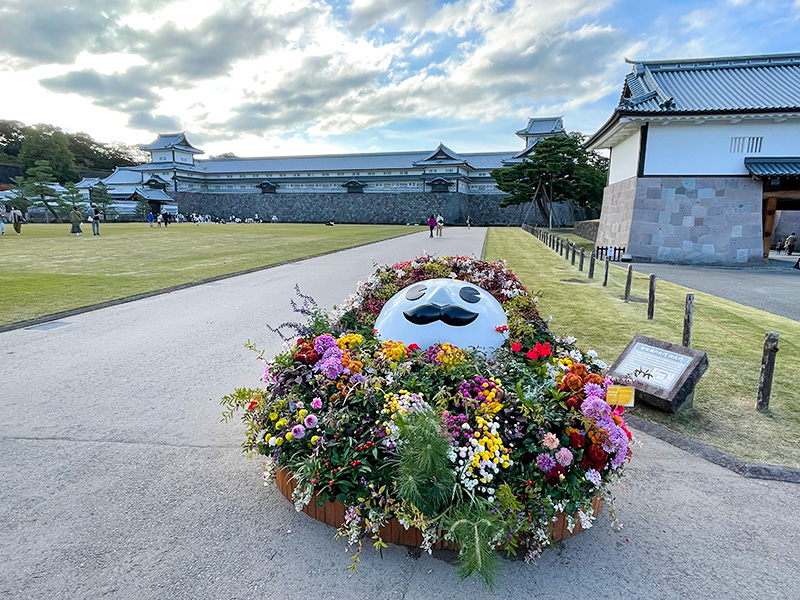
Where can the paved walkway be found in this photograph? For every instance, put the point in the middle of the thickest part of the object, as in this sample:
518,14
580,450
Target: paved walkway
774,287
119,481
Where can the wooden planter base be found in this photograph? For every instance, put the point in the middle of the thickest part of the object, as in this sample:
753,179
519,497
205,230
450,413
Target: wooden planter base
332,513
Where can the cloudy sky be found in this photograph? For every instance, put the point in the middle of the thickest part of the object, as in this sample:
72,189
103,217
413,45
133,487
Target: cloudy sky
278,77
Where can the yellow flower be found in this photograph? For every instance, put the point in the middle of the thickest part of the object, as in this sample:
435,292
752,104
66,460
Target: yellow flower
273,416
289,436
279,441
303,412
314,439
267,437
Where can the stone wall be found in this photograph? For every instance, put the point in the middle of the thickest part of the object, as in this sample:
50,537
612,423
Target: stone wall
689,220
405,207
615,219
587,229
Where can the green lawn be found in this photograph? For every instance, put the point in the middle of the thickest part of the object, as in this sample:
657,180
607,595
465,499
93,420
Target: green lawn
724,412
46,270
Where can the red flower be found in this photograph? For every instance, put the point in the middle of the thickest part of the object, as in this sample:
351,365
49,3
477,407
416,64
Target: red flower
252,405
413,347
597,456
574,402
576,440
543,349
501,328
532,354
556,475
516,346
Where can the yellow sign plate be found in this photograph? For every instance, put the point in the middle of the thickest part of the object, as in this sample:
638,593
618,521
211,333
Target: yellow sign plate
620,395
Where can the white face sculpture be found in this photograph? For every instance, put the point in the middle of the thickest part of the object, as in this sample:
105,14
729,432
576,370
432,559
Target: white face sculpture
443,310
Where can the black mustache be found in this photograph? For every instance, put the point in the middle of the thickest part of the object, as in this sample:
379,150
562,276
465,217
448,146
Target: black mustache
451,314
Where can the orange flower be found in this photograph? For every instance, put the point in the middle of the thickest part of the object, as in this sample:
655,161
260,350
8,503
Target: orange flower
594,378
573,381
578,369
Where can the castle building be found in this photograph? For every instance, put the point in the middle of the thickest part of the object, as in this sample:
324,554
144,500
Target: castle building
705,154
175,168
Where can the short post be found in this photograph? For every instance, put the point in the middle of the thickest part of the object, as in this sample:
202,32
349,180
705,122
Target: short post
628,281
591,266
574,251
567,247
605,272
561,246
580,262
651,297
688,318
767,369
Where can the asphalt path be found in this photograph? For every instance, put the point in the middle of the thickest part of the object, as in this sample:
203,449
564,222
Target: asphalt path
120,481
774,287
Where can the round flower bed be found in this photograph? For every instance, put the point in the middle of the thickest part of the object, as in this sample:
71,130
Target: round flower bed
477,452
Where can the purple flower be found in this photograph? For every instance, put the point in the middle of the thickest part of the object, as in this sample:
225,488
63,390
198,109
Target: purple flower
358,378
324,342
298,431
265,376
564,457
316,403
595,408
593,476
545,462
311,421
593,389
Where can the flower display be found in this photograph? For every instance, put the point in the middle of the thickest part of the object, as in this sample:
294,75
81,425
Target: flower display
481,450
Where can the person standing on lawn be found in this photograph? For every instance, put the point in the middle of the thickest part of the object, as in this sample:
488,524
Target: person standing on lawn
2,219
790,243
95,215
150,218
16,219
75,219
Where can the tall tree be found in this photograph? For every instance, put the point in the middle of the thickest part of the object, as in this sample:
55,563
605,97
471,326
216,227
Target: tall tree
72,196
21,194
40,179
564,167
45,142
142,208
100,198
12,133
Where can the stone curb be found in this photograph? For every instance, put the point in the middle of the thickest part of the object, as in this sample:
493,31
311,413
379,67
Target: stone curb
174,288
745,469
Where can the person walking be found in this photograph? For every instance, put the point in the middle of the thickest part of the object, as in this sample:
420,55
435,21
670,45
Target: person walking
432,223
790,243
439,224
95,216
75,219
150,218
2,219
159,219
16,219
797,264
469,221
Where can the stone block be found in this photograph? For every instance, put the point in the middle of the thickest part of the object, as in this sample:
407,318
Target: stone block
736,231
688,221
707,249
664,218
668,254
698,210
653,193
689,183
687,246
742,255
705,192
667,193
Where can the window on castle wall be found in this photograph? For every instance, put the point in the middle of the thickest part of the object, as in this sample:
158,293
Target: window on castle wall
746,145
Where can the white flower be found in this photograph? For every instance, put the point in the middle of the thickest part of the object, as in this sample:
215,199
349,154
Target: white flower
600,364
591,354
576,355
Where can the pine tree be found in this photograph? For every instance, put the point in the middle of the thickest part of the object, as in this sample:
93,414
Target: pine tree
101,199
21,193
72,196
142,208
40,179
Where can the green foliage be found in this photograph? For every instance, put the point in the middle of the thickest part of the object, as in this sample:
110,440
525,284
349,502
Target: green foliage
22,196
39,179
425,473
142,208
71,196
48,143
563,166
476,530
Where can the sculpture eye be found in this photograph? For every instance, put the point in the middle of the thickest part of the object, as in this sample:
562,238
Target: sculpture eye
470,294
416,292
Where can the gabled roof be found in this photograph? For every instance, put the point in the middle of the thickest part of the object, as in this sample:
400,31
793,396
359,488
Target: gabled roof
441,156
157,179
268,184
150,194
730,84
177,141
776,166
88,182
543,126
353,183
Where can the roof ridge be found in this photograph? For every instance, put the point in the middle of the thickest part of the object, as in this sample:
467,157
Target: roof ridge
717,62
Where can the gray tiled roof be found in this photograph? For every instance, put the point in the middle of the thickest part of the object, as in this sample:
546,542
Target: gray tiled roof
149,194
543,125
165,141
441,156
776,166
728,84
339,162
